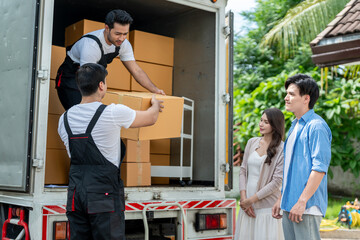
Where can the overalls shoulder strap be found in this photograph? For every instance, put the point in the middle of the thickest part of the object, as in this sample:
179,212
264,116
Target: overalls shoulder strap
66,123
95,118
91,124
97,40
108,57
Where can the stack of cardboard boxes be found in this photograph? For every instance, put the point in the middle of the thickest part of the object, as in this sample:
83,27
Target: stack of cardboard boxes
135,168
155,55
168,125
145,146
58,162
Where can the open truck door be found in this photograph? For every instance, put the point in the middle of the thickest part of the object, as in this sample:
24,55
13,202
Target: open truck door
228,30
19,30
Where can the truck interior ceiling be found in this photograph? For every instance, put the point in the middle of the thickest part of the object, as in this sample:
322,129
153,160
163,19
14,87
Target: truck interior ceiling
194,33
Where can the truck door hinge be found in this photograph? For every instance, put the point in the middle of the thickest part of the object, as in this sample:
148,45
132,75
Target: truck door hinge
38,163
226,31
43,75
226,98
225,167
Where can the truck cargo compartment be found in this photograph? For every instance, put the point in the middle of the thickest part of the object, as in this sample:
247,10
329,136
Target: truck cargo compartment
193,70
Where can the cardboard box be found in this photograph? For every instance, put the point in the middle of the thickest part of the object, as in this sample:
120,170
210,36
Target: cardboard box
168,124
55,106
160,75
75,31
57,167
137,151
53,139
160,160
135,174
118,76
58,55
160,146
152,48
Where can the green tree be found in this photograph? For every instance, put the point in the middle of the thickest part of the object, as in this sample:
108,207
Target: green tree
255,63
302,24
261,70
340,108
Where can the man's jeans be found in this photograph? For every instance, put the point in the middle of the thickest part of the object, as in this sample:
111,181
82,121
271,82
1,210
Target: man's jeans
308,228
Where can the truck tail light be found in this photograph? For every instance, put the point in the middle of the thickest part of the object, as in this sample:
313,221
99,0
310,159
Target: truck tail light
211,221
16,212
61,230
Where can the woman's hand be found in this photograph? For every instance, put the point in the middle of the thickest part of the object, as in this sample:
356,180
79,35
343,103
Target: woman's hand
245,204
250,212
248,202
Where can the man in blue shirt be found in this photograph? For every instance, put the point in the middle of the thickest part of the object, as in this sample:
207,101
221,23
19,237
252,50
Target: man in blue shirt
307,153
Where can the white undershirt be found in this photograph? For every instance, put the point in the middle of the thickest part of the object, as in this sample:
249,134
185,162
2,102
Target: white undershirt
106,132
288,153
86,50
314,210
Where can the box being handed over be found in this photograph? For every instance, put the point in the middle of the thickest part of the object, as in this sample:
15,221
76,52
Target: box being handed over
168,124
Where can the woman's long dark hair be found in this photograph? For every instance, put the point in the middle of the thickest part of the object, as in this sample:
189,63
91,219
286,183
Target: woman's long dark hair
277,122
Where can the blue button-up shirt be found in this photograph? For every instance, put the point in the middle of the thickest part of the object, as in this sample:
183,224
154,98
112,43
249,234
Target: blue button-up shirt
311,152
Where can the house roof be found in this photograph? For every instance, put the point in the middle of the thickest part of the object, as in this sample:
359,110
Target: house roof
339,43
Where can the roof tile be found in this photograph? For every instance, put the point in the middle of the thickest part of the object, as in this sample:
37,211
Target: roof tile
335,21
354,27
335,31
346,17
347,21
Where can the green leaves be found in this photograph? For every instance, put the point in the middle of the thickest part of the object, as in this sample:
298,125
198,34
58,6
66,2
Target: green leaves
302,24
340,108
289,26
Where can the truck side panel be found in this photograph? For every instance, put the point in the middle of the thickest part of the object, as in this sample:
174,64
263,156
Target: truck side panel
17,77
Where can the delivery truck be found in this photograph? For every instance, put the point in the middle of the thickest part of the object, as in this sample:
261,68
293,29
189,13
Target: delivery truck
192,203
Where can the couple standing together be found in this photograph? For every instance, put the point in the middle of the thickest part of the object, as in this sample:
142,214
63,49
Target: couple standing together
283,186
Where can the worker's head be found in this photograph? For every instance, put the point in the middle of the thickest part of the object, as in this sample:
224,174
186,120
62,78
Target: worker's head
90,78
117,25
302,94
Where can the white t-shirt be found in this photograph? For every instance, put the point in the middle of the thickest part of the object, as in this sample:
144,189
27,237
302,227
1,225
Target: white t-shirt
86,50
289,150
314,210
106,132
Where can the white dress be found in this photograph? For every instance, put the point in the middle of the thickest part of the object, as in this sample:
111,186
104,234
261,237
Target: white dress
263,226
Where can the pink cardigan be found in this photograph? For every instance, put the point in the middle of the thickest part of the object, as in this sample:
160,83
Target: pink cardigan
270,179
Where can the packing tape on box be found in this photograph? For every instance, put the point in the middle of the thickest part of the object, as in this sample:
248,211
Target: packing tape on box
138,151
139,175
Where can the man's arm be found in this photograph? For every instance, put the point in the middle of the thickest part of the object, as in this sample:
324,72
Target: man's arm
312,185
141,77
148,117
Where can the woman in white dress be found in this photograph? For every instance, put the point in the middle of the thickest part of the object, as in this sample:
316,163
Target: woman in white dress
261,175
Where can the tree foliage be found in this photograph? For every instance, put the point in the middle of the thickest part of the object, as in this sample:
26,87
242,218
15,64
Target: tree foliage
340,108
260,74
302,24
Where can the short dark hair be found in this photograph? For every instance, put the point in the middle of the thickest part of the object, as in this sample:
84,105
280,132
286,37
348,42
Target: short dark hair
118,16
306,86
88,77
